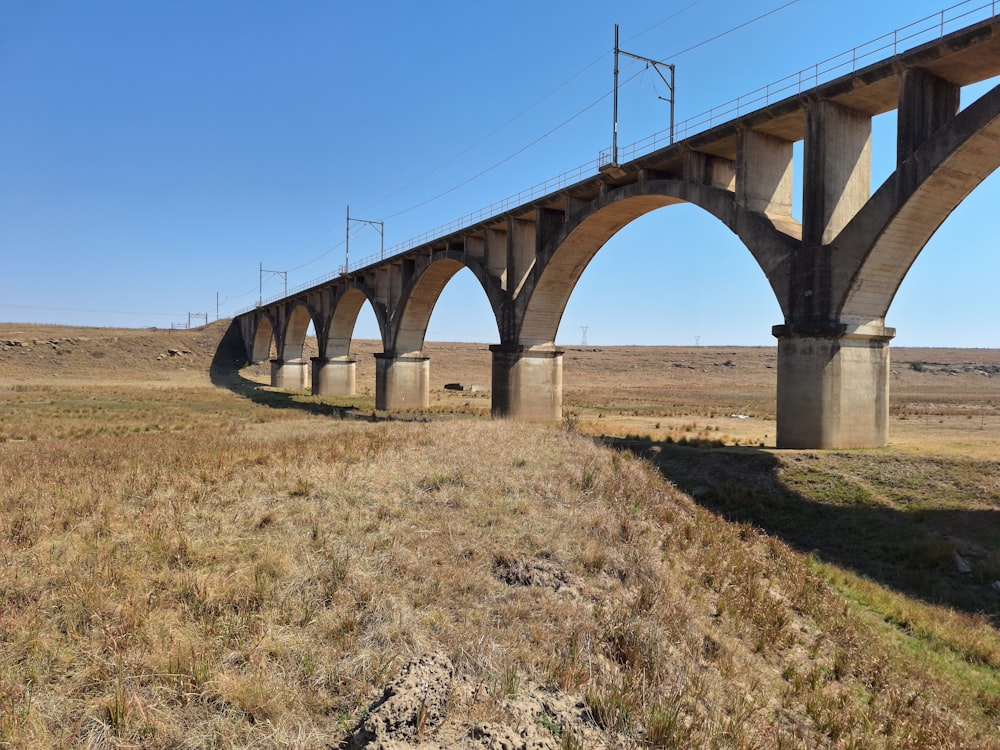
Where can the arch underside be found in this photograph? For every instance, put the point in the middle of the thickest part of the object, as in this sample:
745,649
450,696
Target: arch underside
874,286
295,334
563,270
342,323
261,348
418,303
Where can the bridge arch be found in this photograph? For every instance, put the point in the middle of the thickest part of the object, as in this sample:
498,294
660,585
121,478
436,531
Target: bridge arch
294,338
402,372
897,223
334,371
563,262
262,336
420,296
343,320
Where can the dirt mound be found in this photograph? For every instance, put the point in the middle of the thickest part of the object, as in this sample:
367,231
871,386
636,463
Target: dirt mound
39,352
413,712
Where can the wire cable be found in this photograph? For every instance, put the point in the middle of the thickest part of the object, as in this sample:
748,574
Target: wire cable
508,158
520,114
489,135
588,107
510,121
318,257
732,30
540,138
671,17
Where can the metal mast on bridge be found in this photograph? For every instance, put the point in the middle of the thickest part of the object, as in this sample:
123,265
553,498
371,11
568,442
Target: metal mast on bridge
260,282
378,225
670,85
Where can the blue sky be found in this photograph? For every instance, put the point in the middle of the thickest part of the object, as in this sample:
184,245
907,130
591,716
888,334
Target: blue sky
154,154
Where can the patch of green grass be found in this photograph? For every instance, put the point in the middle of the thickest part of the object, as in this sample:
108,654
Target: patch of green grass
846,509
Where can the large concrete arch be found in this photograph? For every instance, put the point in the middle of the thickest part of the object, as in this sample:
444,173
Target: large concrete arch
294,337
420,296
906,211
261,337
343,320
546,294
527,367
334,370
402,372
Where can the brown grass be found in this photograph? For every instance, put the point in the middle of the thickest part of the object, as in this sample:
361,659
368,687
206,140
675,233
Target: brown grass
185,567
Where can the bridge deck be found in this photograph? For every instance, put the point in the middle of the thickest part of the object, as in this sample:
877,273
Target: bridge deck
969,55
964,57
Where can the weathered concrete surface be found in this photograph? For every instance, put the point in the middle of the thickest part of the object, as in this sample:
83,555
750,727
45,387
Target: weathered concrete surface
764,173
334,377
833,391
837,170
402,382
878,247
926,104
527,385
293,375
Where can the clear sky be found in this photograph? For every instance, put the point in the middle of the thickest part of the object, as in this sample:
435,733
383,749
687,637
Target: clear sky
154,154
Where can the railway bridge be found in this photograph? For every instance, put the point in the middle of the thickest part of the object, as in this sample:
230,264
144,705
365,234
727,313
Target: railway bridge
834,272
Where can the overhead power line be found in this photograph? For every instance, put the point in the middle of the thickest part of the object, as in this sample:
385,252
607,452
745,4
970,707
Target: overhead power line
539,139
523,112
485,138
587,108
727,32
656,25
503,161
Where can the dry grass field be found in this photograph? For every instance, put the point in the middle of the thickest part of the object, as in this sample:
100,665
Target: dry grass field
191,559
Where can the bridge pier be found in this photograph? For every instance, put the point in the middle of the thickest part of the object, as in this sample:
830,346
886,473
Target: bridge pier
334,377
833,389
292,374
527,384
402,382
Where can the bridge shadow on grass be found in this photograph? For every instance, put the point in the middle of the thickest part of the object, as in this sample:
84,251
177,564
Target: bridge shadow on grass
230,358
845,509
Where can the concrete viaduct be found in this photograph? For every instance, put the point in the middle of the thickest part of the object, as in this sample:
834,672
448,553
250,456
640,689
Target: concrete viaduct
834,274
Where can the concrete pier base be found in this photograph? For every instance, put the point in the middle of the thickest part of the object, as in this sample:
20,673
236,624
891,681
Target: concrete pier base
334,377
527,384
293,374
833,390
402,382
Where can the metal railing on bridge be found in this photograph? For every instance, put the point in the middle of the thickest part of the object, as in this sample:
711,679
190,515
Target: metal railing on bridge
888,45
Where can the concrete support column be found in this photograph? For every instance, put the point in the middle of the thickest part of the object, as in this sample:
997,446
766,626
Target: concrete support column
764,173
292,374
333,377
704,169
836,175
520,252
527,384
402,382
926,104
833,390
